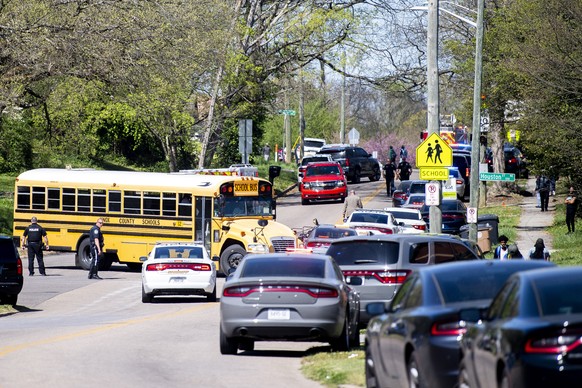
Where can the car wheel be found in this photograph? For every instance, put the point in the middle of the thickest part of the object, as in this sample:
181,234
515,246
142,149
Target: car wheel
231,257
84,255
212,296
356,177
414,377
371,381
304,201
145,297
342,199
463,375
9,299
134,267
376,175
504,382
227,345
342,343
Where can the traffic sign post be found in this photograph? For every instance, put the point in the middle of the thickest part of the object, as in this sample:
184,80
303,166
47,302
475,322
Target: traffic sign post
434,152
493,176
472,215
432,194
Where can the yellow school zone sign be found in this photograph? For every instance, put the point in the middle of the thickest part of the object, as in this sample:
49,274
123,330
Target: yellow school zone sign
434,152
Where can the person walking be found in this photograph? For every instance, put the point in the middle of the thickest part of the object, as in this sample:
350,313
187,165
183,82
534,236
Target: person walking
33,236
352,203
502,251
571,206
539,251
404,170
392,155
543,187
403,153
267,152
96,248
389,175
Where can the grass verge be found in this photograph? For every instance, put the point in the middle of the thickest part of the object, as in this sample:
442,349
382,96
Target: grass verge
566,247
333,369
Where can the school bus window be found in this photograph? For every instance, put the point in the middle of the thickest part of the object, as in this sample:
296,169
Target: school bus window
151,203
115,201
131,202
99,201
54,198
185,206
38,198
84,200
68,199
169,204
23,197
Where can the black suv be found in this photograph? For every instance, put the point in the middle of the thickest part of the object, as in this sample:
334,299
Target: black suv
355,161
11,279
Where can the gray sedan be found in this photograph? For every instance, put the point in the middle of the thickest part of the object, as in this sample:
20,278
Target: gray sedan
289,297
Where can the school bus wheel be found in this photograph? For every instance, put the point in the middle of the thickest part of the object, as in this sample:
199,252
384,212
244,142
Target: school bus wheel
84,255
231,257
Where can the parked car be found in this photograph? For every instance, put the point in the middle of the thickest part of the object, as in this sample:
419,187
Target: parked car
462,161
373,221
309,159
321,236
355,161
11,278
454,215
400,195
178,268
530,336
459,182
383,262
287,297
414,201
415,341
514,161
417,187
323,181
410,218
311,145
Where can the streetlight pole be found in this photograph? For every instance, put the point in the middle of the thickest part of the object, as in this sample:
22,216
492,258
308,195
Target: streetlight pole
476,130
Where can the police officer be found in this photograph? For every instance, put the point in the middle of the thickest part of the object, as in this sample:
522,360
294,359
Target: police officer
33,236
96,248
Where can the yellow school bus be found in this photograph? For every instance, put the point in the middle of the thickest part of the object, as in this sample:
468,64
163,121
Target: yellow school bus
232,215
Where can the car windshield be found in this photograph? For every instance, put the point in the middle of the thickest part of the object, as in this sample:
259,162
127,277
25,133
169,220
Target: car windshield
333,233
446,206
283,267
374,218
322,170
314,143
335,153
364,252
404,215
314,159
461,286
243,206
178,252
554,300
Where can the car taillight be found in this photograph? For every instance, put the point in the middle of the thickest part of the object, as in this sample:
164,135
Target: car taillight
19,266
316,244
381,230
385,277
448,328
167,266
460,181
468,172
315,292
419,227
452,216
553,344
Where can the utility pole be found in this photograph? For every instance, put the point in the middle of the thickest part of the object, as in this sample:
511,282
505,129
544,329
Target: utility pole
433,119
476,155
343,104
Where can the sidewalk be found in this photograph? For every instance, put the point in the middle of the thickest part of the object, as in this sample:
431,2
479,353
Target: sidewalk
533,221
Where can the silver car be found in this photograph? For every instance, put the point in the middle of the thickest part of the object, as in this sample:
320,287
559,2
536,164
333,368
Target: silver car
289,297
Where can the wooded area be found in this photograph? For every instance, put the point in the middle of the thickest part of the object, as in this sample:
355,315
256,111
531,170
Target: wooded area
161,85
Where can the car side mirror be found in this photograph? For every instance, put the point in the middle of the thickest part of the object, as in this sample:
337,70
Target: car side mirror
143,258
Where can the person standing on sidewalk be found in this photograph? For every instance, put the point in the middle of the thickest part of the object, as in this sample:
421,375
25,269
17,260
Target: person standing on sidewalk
571,206
543,187
33,237
96,248
502,251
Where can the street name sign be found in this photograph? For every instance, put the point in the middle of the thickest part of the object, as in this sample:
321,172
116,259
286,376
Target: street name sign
287,112
433,173
494,176
434,152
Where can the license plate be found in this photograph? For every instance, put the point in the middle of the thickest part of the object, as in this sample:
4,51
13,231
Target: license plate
279,314
176,279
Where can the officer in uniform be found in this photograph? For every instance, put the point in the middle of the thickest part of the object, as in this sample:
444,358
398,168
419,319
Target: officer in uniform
33,236
96,248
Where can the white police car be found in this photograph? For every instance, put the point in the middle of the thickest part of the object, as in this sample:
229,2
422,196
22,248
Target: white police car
178,268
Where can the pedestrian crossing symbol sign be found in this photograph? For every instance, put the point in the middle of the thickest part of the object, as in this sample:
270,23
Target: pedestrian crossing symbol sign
434,152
